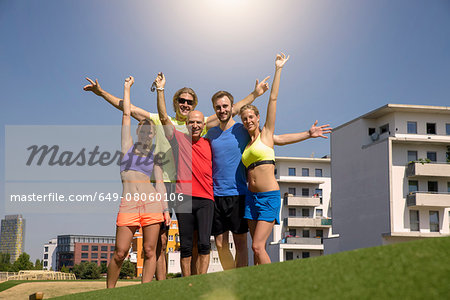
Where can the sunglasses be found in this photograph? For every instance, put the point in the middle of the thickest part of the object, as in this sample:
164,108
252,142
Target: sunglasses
187,101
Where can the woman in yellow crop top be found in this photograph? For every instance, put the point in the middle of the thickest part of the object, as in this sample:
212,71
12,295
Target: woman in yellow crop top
262,204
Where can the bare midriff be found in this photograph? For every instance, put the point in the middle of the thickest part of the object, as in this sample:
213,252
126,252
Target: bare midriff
262,179
135,182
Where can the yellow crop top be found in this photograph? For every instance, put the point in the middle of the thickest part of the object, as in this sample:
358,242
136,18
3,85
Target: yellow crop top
258,153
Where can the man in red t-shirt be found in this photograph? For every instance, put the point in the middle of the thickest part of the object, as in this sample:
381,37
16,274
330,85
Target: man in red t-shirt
194,179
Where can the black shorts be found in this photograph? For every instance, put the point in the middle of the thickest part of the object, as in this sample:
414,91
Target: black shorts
229,215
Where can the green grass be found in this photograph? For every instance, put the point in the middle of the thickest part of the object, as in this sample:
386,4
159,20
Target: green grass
413,270
9,284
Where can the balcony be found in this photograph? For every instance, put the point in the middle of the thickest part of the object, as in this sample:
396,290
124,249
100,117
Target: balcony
303,241
301,201
302,179
307,222
432,169
426,199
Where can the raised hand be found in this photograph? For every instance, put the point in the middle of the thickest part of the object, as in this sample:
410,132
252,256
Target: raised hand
160,80
93,87
281,60
319,131
261,87
129,81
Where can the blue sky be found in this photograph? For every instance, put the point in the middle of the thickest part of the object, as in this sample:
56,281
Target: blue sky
347,58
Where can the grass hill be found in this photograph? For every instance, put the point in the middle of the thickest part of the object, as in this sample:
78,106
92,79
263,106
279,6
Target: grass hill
413,270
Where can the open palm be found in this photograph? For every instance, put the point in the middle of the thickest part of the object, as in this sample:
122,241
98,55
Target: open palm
319,131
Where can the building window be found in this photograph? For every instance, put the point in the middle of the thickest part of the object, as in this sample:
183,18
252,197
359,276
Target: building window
412,156
384,128
432,186
84,255
305,192
104,262
215,260
230,245
111,248
448,189
111,255
172,262
45,256
413,186
94,255
305,212
292,212
318,172
45,249
170,249
170,238
292,232
292,191
104,255
306,233
292,172
447,129
45,264
319,233
84,248
289,255
305,254
412,127
371,131
94,248
434,221
305,172
319,212
431,155
414,220
431,128
104,248
94,261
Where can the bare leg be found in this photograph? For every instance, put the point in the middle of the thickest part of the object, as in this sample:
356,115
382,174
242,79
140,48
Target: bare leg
240,241
161,265
186,266
124,236
203,263
252,227
226,258
150,233
260,236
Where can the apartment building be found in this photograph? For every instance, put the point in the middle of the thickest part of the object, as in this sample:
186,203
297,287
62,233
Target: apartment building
305,186
49,255
391,176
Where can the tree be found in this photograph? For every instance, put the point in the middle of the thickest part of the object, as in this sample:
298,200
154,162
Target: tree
128,269
5,263
103,268
64,269
87,270
23,262
38,265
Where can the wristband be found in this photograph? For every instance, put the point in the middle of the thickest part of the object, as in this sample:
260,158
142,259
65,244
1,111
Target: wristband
160,89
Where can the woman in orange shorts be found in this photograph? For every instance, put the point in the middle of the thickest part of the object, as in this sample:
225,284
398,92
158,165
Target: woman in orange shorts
142,205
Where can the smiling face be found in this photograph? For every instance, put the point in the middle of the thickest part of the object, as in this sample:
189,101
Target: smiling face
145,131
184,101
223,108
195,123
250,119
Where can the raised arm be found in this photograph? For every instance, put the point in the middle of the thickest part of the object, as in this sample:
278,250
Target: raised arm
161,104
136,112
313,132
269,126
260,88
127,141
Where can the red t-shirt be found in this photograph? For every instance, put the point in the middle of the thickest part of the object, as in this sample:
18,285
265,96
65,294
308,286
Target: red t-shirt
194,169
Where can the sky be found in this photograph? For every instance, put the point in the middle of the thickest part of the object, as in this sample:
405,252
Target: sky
347,58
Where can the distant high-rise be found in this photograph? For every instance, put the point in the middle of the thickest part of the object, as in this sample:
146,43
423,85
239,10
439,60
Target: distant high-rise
12,237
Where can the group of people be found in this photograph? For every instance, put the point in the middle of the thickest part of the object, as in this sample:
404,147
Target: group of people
225,168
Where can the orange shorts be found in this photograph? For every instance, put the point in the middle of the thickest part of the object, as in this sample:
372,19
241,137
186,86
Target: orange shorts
139,219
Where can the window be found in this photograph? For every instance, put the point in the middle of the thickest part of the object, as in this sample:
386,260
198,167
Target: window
172,262
104,248
447,129
371,131
431,128
413,186
230,245
291,212
448,188
170,249
275,171
170,237
384,128
94,255
94,248
289,255
306,233
45,249
319,233
414,220
84,255
412,156
432,186
319,212
305,212
292,231
431,155
305,254
85,248
434,221
111,255
318,193
305,172
84,261
292,172
318,172
412,127
104,255
292,191
104,262
111,248
94,261
45,256
305,192
45,264
215,260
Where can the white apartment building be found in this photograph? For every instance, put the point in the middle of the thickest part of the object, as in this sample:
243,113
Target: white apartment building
49,255
391,177
305,185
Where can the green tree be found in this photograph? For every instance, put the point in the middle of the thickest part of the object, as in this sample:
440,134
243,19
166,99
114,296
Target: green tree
38,265
23,262
5,263
103,268
87,270
128,270
64,269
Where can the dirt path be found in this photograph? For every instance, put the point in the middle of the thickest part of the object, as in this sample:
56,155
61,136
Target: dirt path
54,289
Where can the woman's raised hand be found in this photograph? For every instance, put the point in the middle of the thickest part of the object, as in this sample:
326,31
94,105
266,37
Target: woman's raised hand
129,81
281,60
